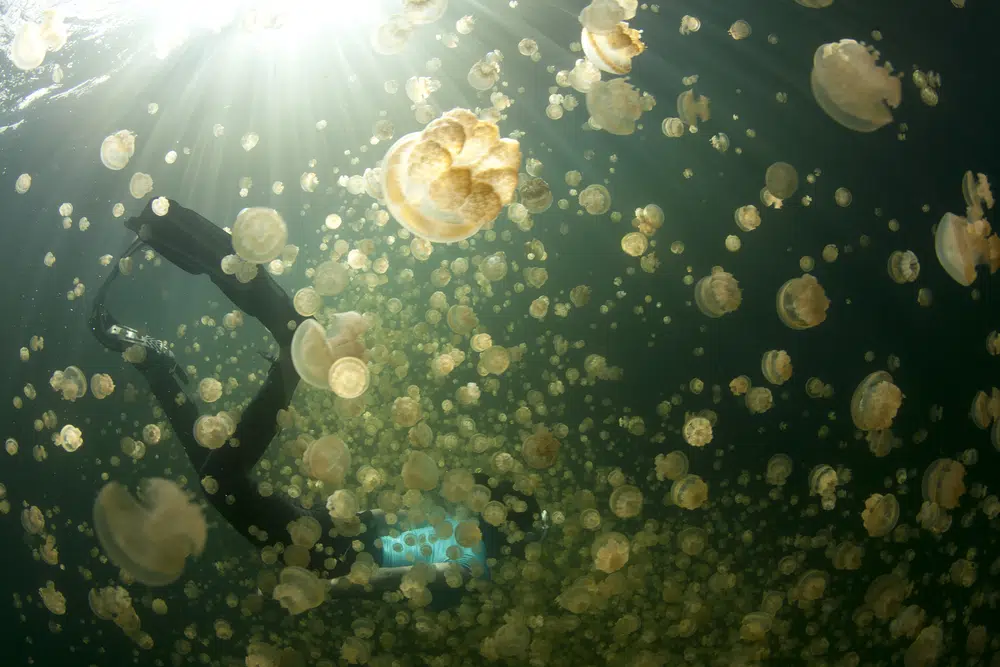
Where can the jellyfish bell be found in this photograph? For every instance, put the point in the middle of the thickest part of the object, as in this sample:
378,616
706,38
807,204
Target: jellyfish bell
614,106
445,183
875,402
612,51
117,149
691,109
852,88
150,539
961,246
781,180
392,36
880,514
327,459
718,293
349,377
259,234
28,48
801,303
299,590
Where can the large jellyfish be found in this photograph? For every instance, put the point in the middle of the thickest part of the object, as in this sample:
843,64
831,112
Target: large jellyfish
852,88
961,246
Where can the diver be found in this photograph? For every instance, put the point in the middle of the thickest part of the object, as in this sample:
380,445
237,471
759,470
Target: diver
196,245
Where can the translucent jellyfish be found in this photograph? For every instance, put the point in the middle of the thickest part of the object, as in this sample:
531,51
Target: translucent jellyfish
801,303
779,468
349,377
755,626
740,30
903,266
53,600
718,293
259,234
697,431
610,552
612,51
535,195
776,366
22,184
117,149
27,50
327,459
961,246
583,75
462,319
33,521
420,471
875,402
595,199
943,483
211,431
852,88
444,183
331,278
342,505
634,244
672,466
150,539
689,24
811,586
540,449
976,192
759,400
299,590
689,492
601,16
305,531
209,390
880,514
693,109
614,106
823,481
626,501
421,12
140,185
485,73
740,385
101,385
392,36
747,217
70,438
781,180
70,382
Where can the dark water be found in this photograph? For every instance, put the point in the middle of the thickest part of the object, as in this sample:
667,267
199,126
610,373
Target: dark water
282,93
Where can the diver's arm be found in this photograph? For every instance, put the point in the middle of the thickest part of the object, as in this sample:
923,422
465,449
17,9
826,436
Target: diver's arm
388,579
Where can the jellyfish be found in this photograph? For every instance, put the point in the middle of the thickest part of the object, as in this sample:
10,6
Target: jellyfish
313,352
349,377
811,585
852,88
747,217
801,302
485,73
718,293
755,626
903,266
327,459
672,466
540,450
392,36
759,400
595,199
71,383
601,16
305,531
880,514
27,50
150,539
779,468
211,432
259,234
342,505
610,552
691,110
875,402
535,195
444,183
117,149
943,483
495,360
961,246
299,590
615,106
781,180
583,76
612,51
689,492
626,501
823,481
976,192
776,366
22,184
697,431
420,471
422,12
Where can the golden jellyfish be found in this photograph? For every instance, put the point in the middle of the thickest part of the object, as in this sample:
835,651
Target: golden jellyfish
342,505
779,469
852,88
299,590
885,595
117,149
626,501
610,552
943,483
420,471
259,234
421,12
140,185
635,244
672,128
811,586
485,72
693,109
880,514
28,48
349,377
601,16
33,521
210,390
468,534
315,349
495,360
595,199
672,466
961,246
612,51
151,434
776,366
976,192
689,492
925,649
22,184
747,217
211,431
456,485
305,531
689,24
740,30
755,626
444,183
405,412
718,293
53,600
615,106
70,438
540,450
801,303
759,400
739,385
583,76
151,539
535,195
71,383
875,402
823,481
392,36
697,431
781,180
327,459
903,266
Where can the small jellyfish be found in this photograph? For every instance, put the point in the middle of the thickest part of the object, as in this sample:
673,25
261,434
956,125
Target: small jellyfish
740,30
875,402
540,450
776,366
595,199
117,149
961,246
852,88
610,552
943,483
880,514
392,36
601,16
759,400
781,180
718,293
672,466
903,266
420,471
298,591
801,302
485,73
626,501
691,110
697,431
614,106
614,50
747,217
689,24
422,12
140,185
23,184
327,459
689,492
779,468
